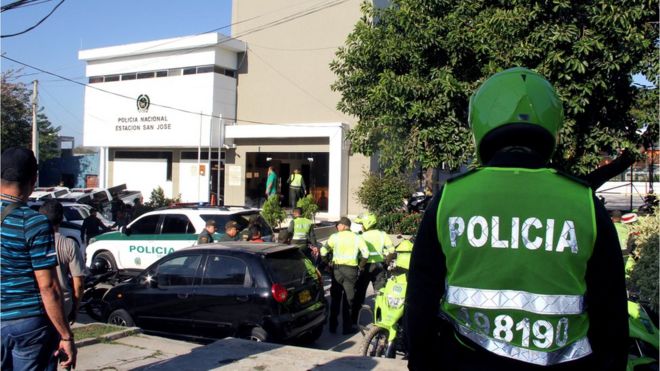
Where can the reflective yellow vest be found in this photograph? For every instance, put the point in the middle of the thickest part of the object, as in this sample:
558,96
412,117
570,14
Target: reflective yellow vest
379,245
296,180
301,227
346,247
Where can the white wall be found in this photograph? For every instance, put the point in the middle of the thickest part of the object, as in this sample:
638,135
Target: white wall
189,184
143,175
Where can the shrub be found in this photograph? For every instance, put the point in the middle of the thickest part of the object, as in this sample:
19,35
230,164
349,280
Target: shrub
272,212
384,194
399,223
158,199
644,277
308,206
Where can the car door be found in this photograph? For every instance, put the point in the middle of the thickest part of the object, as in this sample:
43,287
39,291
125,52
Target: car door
163,299
139,251
225,297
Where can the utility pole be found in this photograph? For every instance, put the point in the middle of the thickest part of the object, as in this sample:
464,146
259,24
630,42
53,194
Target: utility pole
35,129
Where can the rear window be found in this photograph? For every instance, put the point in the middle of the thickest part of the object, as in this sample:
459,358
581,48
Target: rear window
287,266
243,221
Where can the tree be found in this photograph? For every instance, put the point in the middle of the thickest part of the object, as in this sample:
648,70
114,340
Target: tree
407,72
16,124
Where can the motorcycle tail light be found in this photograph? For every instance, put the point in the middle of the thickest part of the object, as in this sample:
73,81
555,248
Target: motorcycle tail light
280,294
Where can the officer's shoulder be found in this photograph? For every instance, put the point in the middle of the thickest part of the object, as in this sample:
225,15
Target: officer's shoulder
573,178
462,175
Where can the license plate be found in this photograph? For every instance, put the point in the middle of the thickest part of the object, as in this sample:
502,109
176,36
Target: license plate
304,296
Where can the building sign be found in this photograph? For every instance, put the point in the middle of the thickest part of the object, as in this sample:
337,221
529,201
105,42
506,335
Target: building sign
171,112
235,174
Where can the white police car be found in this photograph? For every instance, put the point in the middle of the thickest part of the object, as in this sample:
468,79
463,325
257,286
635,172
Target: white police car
158,233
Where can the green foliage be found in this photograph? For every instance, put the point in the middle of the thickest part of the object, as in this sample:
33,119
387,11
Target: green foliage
382,194
308,206
272,212
158,199
407,71
399,223
644,277
16,119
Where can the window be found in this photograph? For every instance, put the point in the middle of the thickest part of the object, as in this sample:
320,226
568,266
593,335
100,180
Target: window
225,270
95,79
287,266
161,73
177,223
205,69
111,78
145,225
128,76
72,213
190,71
145,75
179,271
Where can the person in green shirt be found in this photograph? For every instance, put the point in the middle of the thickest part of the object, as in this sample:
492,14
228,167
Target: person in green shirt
271,182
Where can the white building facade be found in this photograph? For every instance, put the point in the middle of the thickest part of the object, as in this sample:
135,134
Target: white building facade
157,109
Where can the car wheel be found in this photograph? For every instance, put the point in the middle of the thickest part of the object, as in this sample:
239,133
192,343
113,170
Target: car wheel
104,262
121,317
258,334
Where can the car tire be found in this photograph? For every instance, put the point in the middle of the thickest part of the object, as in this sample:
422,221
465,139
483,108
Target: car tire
311,336
258,334
106,260
120,317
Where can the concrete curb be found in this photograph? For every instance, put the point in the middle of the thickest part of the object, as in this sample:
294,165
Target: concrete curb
107,337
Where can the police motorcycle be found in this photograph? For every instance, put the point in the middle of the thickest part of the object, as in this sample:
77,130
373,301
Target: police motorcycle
418,202
644,338
384,337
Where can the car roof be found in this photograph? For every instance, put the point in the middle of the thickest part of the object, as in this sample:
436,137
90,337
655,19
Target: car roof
217,210
257,248
64,203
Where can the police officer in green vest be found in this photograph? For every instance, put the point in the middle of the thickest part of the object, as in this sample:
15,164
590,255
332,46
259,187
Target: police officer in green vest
349,256
302,231
523,260
296,187
379,245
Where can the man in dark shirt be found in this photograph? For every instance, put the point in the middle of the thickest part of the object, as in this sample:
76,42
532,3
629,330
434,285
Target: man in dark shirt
92,226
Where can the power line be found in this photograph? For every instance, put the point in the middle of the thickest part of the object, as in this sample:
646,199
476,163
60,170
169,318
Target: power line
132,98
293,82
38,23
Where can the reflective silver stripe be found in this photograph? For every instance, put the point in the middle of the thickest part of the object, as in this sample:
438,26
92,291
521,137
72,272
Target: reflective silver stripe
580,348
512,299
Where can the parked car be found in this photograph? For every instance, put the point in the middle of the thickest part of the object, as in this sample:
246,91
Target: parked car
74,215
158,233
41,193
258,291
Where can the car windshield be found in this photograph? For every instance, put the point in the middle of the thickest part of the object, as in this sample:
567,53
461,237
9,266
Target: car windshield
72,213
287,266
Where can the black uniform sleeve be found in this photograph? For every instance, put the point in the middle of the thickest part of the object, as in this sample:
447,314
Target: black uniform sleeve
425,288
606,299
606,172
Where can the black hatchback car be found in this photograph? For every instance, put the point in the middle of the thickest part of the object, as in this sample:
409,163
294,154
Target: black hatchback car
259,291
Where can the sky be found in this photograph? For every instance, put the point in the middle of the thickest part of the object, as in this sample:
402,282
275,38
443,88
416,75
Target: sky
86,24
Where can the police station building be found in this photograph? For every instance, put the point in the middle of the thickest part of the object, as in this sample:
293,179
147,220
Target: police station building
168,114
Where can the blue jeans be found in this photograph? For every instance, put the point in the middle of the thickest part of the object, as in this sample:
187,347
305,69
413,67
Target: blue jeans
29,344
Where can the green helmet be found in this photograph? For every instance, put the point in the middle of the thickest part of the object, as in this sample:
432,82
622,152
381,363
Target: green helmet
368,220
522,105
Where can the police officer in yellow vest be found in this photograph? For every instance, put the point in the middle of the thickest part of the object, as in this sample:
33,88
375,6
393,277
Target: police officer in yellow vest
379,245
302,232
296,187
523,260
349,255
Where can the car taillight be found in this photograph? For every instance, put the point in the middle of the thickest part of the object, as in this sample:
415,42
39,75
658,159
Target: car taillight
280,294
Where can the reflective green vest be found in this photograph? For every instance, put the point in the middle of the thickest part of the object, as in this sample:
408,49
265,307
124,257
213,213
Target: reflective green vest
379,244
301,227
296,180
517,243
347,248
